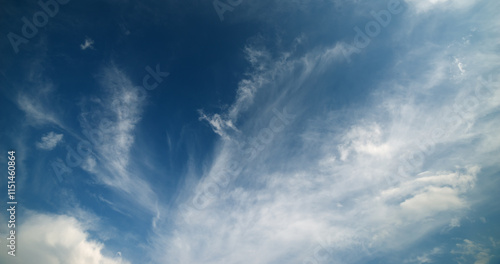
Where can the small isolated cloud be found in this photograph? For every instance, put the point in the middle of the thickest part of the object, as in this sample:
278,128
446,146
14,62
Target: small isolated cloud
219,124
89,43
49,141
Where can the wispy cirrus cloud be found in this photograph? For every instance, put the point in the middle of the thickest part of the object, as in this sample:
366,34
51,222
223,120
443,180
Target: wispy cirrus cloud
347,183
36,111
426,257
109,122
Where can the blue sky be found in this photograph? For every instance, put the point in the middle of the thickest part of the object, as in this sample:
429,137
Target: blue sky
289,131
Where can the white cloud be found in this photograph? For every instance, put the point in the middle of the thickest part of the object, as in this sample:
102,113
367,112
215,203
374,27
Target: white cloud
424,204
87,44
223,124
220,126
49,141
401,165
364,140
54,239
111,124
469,251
